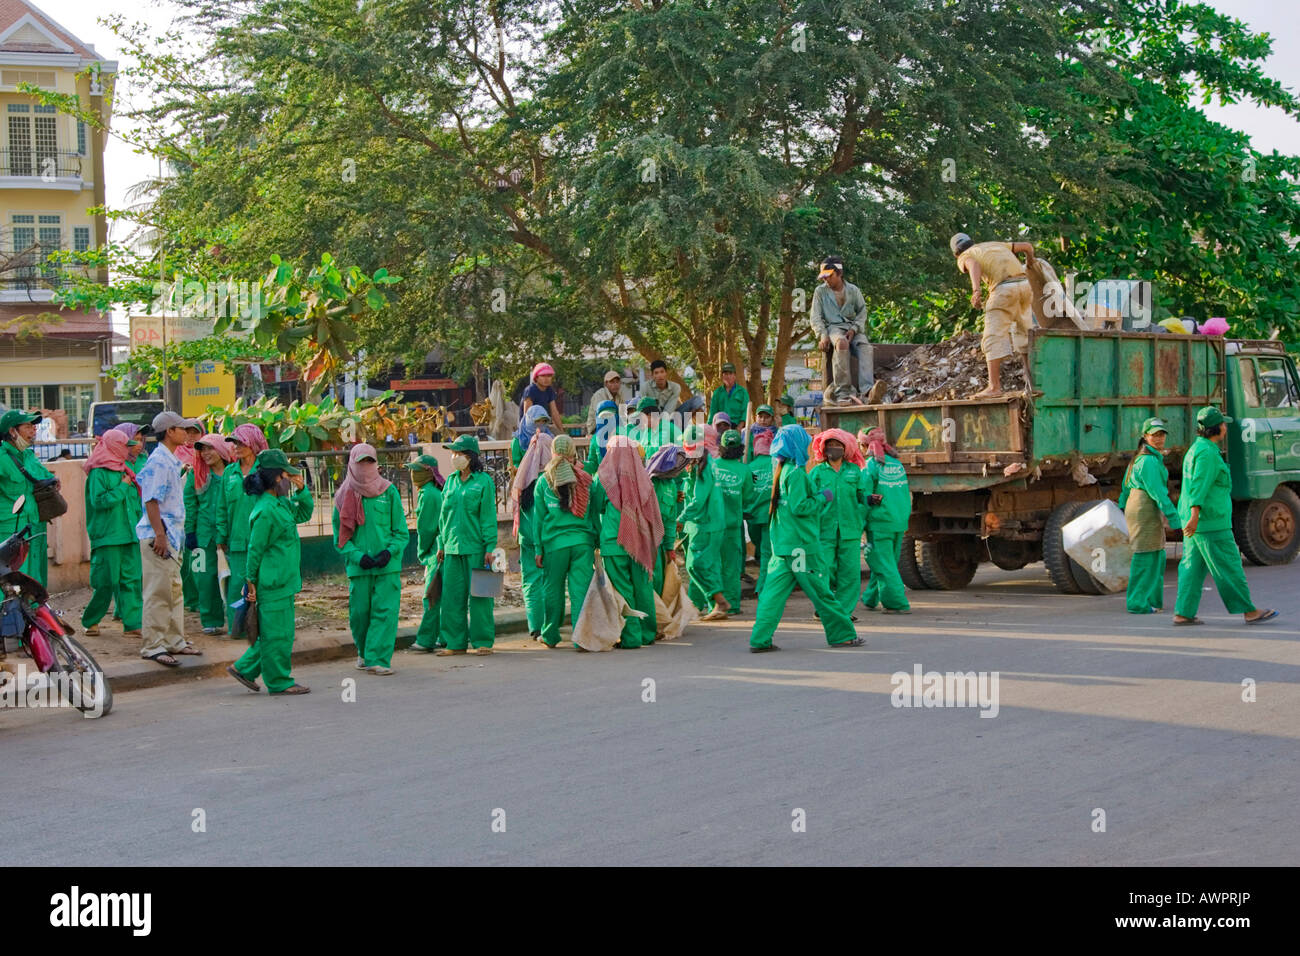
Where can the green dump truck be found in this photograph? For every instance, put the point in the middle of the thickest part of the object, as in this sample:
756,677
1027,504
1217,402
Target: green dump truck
996,479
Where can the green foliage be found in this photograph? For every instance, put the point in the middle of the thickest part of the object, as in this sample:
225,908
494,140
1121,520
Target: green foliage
142,372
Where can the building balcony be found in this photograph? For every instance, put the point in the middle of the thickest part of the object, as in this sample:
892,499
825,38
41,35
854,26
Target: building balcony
40,169
36,286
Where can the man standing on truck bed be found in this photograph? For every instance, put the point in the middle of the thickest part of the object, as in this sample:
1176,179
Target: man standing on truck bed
1007,313
839,317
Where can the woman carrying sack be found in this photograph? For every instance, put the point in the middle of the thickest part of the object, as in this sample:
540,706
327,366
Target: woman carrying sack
370,532
565,534
205,527
624,505
281,503
665,469
889,509
1144,498
467,536
428,509
529,452
113,508
20,474
703,520
246,443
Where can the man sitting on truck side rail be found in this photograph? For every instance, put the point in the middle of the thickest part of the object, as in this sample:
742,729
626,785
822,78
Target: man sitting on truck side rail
1007,311
839,317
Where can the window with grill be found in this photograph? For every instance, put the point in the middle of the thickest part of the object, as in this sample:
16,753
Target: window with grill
76,401
81,137
51,240
22,396
20,144
80,238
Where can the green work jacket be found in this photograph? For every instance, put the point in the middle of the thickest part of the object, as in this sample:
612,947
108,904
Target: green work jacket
205,511
1207,483
845,517
274,553
428,512
238,507
555,526
13,484
704,511
796,523
760,476
734,485
735,403
889,480
112,508
1144,496
467,522
384,530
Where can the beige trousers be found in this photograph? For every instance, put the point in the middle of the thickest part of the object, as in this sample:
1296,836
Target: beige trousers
163,624
1007,320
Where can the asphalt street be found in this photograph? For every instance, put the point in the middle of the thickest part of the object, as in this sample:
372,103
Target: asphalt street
554,757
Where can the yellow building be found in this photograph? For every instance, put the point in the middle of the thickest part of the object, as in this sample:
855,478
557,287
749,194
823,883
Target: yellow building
51,174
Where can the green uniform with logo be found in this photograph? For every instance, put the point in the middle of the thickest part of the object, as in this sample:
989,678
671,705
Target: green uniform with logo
703,520
13,484
205,518
428,512
756,515
796,559
529,573
112,510
734,402
734,483
274,567
467,532
1207,483
1144,497
670,510
886,526
629,579
565,544
841,529
374,594
238,516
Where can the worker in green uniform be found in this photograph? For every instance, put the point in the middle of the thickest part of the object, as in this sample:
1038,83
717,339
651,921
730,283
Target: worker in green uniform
1144,496
626,511
764,421
1205,510
565,533
113,507
796,557
370,532
760,498
428,511
188,457
135,452
532,439
730,397
784,408
734,486
205,527
838,466
608,424
281,503
665,469
467,536
703,520
889,509
20,469
246,442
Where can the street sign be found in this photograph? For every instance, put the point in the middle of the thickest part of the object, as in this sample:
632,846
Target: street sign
422,384
204,384
148,330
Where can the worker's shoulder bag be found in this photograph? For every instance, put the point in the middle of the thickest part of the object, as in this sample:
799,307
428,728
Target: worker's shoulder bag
50,504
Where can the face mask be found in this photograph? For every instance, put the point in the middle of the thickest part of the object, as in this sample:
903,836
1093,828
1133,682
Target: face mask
459,462
834,453
283,486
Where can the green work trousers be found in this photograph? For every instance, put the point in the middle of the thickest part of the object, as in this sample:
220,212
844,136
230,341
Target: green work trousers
115,573
842,559
533,587
373,604
704,567
569,567
781,579
762,551
731,563
1215,552
202,564
632,581
886,585
269,657
463,620
427,634
238,561
189,592
661,564
1146,582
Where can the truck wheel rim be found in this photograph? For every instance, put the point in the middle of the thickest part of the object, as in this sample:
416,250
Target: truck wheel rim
1278,525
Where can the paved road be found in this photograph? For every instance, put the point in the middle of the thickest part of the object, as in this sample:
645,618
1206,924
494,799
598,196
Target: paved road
1098,709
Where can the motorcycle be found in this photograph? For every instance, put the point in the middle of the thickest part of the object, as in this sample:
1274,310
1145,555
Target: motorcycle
26,616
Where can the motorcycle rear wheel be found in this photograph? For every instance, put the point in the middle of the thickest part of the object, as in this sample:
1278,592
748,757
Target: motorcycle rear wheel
84,684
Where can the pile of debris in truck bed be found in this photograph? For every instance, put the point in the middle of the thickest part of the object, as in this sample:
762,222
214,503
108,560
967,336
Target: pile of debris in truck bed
954,369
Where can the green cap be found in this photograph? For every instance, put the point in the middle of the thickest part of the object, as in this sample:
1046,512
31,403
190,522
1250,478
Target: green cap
1154,425
765,409
728,367
275,459
424,461
15,417
647,404
730,438
464,443
1209,417
785,399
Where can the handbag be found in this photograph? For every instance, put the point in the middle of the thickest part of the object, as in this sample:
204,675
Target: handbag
244,622
50,503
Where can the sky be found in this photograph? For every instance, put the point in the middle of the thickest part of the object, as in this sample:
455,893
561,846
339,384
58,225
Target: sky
1269,129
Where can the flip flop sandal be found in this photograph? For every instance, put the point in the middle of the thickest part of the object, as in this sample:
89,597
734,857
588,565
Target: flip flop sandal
1195,620
447,652
242,679
418,649
381,670
856,642
92,631
293,691
189,650
169,662
1266,616
763,650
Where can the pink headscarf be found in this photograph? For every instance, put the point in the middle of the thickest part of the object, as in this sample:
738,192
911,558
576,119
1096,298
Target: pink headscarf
624,478
363,481
763,443
201,470
710,440
874,439
530,466
852,453
185,455
250,436
541,368
129,429
110,453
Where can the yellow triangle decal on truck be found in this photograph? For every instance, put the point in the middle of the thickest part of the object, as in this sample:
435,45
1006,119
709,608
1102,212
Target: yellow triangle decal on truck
904,441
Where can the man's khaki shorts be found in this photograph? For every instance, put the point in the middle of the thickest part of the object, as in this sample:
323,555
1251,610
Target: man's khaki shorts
1007,320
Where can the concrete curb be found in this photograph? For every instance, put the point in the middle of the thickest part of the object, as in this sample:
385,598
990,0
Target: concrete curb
135,675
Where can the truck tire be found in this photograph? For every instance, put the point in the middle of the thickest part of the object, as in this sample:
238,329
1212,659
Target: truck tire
947,564
1087,583
1268,530
1054,556
1009,555
907,566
